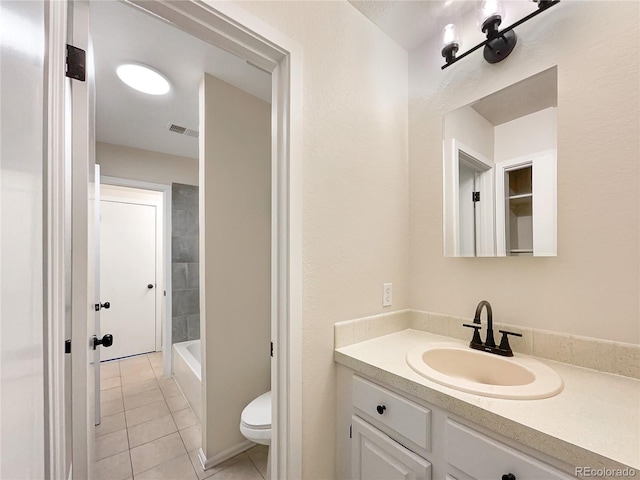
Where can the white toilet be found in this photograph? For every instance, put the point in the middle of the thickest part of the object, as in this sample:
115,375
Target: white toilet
255,423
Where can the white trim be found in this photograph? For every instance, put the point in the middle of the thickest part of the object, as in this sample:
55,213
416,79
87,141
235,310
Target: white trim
227,26
287,461
55,435
167,366
223,456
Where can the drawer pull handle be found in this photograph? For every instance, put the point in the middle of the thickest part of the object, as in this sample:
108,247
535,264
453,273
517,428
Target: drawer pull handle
509,476
381,409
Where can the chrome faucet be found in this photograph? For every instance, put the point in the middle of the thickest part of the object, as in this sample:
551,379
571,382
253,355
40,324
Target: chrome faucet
489,345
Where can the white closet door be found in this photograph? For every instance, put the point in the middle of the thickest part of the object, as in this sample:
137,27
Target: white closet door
128,277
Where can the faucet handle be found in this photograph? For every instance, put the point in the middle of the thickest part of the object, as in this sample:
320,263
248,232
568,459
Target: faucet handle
504,343
476,340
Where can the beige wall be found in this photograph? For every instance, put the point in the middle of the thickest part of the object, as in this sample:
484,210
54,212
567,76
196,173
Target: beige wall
145,165
591,288
526,135
472,129
235,257
355,199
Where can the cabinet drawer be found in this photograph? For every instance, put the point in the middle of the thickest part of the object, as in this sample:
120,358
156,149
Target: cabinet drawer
386,409
482,457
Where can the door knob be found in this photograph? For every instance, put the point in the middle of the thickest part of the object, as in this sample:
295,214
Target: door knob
99,306
105,341
150,286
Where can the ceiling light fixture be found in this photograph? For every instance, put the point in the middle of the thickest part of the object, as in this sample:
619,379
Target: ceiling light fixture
143,78
499,43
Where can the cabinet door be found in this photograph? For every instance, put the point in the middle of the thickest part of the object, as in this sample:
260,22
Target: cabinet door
375,456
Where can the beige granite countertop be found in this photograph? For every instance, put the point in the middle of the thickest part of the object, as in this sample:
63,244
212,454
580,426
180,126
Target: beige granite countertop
594,421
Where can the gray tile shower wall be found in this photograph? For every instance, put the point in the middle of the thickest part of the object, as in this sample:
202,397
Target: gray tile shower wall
185,270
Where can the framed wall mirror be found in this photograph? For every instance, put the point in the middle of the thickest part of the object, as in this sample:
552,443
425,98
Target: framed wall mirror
500,172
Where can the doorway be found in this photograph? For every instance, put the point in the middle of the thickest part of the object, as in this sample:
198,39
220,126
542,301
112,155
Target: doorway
471,193
245,36
473,190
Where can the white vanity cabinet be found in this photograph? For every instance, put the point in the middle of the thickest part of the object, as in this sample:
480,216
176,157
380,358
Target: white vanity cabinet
393,437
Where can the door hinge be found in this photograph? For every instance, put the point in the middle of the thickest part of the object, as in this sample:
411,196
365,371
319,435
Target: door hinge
475,196
350,431
272,349
67,346
75,63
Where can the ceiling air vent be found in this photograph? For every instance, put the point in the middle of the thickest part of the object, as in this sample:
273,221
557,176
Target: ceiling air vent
183,130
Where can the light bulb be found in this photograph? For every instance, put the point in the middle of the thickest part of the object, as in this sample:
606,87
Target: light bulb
490,15
450,42
449,35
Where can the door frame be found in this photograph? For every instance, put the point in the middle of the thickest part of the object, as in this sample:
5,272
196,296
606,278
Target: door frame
485,239
229,27
56,271
166,256
545,196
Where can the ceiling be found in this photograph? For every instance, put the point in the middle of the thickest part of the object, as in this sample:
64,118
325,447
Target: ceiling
122,34
530,95
411,22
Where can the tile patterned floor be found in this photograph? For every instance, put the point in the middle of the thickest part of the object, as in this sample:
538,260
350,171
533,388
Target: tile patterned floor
149,432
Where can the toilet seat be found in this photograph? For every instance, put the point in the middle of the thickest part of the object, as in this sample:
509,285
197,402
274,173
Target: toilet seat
255,420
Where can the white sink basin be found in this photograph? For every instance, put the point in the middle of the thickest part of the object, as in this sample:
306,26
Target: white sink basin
459,367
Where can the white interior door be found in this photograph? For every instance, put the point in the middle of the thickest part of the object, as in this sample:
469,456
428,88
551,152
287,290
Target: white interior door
83,364
467,214
545,209
128,277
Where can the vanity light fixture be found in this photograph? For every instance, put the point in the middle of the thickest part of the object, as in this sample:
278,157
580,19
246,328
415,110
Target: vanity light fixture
499,43
143,78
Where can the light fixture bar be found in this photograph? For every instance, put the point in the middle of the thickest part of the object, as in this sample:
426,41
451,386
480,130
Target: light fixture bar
542,6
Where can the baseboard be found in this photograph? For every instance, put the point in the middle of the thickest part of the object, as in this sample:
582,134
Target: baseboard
224,455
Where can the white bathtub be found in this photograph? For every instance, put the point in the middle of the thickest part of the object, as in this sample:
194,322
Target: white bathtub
187,371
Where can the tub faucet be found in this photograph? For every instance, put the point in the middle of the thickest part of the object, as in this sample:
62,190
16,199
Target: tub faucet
489,345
